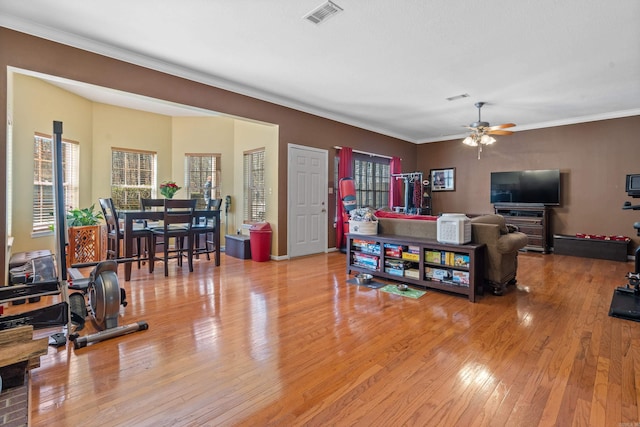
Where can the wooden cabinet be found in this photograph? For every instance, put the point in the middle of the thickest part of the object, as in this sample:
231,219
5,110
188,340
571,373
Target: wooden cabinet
532,221
422,262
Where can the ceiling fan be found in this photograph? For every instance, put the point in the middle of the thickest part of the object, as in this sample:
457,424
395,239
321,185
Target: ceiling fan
481,131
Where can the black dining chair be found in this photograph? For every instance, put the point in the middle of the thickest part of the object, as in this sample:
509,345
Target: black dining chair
203,229
151,204
115,233
177,222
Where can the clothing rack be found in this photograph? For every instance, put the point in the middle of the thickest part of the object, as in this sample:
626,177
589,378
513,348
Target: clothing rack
412,189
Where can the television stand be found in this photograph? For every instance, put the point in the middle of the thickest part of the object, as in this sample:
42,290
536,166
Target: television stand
532,220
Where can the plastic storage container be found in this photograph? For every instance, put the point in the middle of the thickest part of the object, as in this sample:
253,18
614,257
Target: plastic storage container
260,238
454,228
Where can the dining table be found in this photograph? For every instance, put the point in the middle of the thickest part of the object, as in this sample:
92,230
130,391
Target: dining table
131,216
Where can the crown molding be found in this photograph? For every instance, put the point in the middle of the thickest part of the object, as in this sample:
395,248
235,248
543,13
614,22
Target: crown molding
55,35
550,124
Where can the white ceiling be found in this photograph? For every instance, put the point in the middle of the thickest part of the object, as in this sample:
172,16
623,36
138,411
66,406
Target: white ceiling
380,65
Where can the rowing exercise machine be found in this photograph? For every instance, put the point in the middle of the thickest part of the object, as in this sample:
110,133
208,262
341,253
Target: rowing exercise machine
104,293
105,297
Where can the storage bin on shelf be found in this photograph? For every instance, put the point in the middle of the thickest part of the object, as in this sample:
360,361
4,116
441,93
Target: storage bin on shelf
368,228
363,221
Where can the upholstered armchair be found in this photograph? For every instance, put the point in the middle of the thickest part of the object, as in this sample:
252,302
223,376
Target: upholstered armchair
501,257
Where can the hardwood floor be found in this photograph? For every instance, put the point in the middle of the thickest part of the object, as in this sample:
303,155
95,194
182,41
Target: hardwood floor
290,343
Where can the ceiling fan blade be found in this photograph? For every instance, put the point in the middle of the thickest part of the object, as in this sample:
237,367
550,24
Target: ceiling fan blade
502,126
499,132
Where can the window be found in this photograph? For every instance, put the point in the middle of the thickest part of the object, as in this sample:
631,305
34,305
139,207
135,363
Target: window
199,168
254,200
133,176
371,175
43,203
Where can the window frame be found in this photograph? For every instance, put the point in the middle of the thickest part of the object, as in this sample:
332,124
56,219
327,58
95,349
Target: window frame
381,164
134,190
254,175
43,204
215,171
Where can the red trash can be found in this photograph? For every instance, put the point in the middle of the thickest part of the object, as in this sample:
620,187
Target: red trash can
260,237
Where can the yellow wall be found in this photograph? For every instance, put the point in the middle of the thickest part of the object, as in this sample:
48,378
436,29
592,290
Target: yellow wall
36,105
126,128
213,135
100,127
249,136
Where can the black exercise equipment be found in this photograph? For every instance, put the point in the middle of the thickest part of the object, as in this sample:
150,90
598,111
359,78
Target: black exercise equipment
102,285
625,303
102,290
105,297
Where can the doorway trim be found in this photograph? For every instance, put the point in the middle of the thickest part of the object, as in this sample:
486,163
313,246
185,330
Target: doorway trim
323,189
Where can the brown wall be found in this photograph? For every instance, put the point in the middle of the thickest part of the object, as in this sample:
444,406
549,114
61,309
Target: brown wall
593,159
32,53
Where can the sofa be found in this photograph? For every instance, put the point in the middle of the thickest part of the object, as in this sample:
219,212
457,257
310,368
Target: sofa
502,242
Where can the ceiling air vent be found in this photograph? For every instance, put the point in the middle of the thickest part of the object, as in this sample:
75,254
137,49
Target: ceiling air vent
323,12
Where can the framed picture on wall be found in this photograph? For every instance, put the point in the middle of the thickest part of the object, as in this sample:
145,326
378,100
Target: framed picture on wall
443,179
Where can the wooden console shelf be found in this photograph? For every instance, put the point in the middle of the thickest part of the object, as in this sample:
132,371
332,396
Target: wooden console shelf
422,262
532,221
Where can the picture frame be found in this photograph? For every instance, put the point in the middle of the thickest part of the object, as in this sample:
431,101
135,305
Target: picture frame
443,179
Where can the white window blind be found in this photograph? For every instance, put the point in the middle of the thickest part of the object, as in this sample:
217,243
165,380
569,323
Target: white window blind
255,208
43,203
133,176
198,168
371,176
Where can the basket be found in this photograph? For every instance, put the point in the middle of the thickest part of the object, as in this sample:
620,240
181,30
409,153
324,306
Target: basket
368,228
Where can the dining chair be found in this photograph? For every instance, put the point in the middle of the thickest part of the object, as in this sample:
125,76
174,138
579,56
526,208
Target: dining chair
203,229
151,204
147,204
177,224
115,233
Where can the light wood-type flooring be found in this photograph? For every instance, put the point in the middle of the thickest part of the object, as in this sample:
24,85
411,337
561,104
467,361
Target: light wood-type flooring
289,343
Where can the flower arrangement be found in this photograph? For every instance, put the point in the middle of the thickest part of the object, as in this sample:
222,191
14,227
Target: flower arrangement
168,189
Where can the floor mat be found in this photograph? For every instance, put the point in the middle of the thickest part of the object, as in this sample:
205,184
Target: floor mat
409,293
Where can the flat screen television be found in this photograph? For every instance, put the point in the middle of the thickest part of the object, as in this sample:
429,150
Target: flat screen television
540,187
632,186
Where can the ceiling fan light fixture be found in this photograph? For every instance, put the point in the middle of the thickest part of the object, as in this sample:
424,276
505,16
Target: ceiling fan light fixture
487,140
470,141
481,131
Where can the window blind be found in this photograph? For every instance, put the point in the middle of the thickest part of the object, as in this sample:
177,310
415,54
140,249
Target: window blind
254,195
198,167
133,176
43,185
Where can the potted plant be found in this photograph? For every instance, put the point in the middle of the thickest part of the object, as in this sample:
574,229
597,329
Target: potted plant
83,217
85,235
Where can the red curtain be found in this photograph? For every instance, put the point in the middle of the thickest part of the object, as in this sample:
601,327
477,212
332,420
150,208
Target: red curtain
395,191
345,170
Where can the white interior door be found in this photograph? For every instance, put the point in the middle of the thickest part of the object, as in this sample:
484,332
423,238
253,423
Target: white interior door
307,214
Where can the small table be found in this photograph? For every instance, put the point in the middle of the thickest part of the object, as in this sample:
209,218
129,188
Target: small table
129,216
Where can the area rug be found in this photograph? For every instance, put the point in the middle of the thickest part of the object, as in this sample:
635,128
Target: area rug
409,293
372,284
